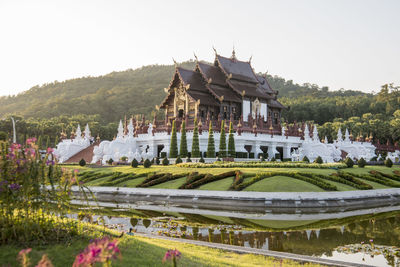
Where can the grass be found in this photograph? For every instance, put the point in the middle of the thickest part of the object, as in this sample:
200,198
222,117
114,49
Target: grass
283,184
143,251
275,184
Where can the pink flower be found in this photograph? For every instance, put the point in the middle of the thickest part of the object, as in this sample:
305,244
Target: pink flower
49,150
24,251
171,255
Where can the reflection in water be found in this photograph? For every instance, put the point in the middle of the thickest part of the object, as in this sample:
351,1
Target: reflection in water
323,238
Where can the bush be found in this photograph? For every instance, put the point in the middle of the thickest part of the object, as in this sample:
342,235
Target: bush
188,160
305,159
110,161
349,162
124,158
201,160
273,159
147,163
361,163
165,161
157,161
210,146
178,160
388,163
82,162
163,154
319,160
134,163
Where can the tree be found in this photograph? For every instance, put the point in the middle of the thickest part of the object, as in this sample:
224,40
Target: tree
134,163
305,159
195,141
349,162
319,160
210,146
47,142
147,163
56,141
165,161
178,160
183,147
222,141
82,162
231,142
388,163
173,150
40,142
361,163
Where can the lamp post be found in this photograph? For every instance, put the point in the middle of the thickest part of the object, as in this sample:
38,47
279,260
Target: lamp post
14,132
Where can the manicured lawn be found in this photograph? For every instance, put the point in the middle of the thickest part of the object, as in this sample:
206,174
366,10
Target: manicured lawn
220,185
283,184
275,184
142,251
174,184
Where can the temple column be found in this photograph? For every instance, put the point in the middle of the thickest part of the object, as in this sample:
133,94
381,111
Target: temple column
286,151
271,150
257,150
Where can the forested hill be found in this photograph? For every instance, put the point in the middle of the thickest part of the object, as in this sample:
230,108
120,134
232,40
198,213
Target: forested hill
130,92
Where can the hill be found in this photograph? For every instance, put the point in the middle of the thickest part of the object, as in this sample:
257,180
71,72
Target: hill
126,92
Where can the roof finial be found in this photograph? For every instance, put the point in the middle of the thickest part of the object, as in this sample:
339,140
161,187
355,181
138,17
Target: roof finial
215,51
250,58
233,53
175,63
197,60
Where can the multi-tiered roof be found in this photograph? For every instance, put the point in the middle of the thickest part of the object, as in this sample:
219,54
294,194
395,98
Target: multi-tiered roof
228,79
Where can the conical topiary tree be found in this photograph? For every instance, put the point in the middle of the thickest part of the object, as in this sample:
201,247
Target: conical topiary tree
173,149
47,142
183,148
210,146
231,142
56,141
222,141
40,142
195,141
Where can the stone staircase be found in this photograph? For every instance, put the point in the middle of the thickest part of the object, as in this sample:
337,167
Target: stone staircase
86,154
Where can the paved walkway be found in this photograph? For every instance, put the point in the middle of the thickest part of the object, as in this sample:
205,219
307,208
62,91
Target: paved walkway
268,253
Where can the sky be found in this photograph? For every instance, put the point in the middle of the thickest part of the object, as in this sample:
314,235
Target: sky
340,44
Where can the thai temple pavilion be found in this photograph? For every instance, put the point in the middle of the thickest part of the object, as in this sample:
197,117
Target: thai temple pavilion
228,87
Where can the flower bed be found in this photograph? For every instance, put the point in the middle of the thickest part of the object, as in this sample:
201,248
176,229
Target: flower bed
263,165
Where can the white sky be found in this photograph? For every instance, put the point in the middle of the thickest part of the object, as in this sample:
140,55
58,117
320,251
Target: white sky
340,44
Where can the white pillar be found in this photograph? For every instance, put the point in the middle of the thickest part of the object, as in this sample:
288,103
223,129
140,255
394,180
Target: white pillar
286,151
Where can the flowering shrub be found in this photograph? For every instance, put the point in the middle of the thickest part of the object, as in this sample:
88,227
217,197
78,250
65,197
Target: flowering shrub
100,250
258,164
173,256
32,190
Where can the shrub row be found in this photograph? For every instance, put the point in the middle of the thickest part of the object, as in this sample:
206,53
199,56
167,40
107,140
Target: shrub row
335,178
264,165
152,177
237,181
95,176
381,174
310,178
194,176
131,176
313,180
350,177
167,177
380,180
210,178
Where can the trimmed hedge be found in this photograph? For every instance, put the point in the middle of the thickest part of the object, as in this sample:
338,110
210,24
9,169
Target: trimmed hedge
380,174
258,164
209,178
129,177
194,176
165,178
351,178
349,162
